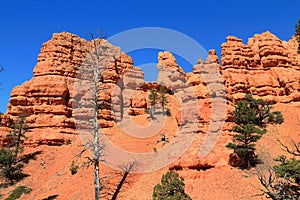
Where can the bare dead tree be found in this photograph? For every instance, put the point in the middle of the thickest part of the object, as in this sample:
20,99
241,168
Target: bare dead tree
296,146
274,187
127,168
91,77
95,144
114,181
282,181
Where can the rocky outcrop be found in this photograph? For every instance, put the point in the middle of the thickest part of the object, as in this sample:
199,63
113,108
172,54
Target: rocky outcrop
47,100
212,57
134,100
170,73
265,67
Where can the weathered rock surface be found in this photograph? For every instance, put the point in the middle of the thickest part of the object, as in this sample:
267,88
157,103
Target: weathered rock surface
265,67
170,73
49,98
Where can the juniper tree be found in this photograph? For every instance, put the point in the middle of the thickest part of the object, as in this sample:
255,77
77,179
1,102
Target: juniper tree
170,188
251,117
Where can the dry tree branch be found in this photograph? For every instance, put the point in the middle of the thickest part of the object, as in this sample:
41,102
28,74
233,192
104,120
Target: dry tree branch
295,152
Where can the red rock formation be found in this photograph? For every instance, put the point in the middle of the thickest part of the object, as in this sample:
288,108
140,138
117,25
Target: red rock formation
265,67
47,99
212,57
170,73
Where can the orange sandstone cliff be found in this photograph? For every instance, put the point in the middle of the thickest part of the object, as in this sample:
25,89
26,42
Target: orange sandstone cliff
201,103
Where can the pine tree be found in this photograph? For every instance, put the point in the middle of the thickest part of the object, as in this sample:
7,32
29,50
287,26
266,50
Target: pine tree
171,188
289,168
10,163
153,97
251,117
297,34
163,98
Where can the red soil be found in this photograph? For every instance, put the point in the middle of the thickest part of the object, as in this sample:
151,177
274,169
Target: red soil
49,173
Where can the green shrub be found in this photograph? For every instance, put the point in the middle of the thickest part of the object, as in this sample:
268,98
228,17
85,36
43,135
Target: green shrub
74,168
68,141
168,112
16,193
170,188
289,168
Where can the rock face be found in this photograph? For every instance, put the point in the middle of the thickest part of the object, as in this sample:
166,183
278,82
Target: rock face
48,98
202,101
265,67
170,73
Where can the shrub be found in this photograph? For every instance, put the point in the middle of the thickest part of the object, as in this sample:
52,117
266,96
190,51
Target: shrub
168,112
74,168
170,188
68,141
16,193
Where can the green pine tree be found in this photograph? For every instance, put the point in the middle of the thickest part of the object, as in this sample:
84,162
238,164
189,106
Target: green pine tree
163,97
171,188
251,117
289,168
154,98
10,162
297,34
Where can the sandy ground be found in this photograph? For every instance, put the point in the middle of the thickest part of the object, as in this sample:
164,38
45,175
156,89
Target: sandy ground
50,176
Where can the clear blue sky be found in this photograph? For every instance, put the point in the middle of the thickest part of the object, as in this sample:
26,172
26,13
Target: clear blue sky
25,25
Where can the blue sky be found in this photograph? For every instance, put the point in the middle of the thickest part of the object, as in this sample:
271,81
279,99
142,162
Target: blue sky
25,25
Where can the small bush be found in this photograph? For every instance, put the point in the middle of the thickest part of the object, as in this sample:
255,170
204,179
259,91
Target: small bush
168,112
16,193
147,110
68,141
74,168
